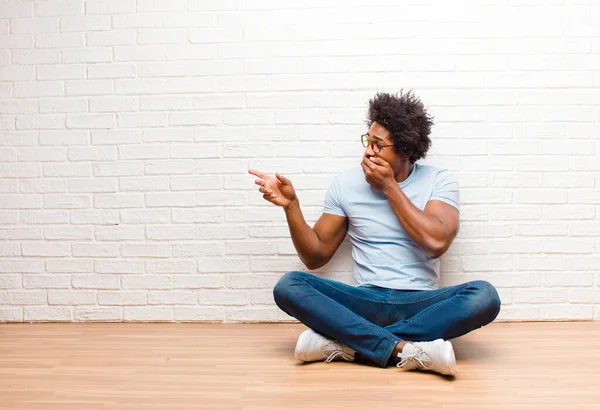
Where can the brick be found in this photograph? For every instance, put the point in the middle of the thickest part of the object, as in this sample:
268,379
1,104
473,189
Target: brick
566,312
10,314
22,297
67,201
541,229
196,183
61,105
110,6
118,266
69,266
10,281
144,184
222,231
81,185
87,55
48,314
170,199
122,298
35,56
146,151
43,186
172,297
45,249
119,233
539,295
209,215
64,137
91,121
96,250
68,232
141,120
197,150
9,217
112,70
119,168
96,281
164,69
169,167
540,262
100,314
252,314
95,217
59,40
146,282
113,104
40,122
204,281
568,245
21,266
10,249
145,216
234,264
146,250
147,314
92,154
170,233
183,266
174,135
226,297
84,23
568,279
210,198
197,313
119,201
22,170
46,281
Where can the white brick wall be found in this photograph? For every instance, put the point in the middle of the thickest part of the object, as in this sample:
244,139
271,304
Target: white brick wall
127,128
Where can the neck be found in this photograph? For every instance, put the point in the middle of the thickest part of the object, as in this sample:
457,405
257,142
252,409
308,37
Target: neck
403,171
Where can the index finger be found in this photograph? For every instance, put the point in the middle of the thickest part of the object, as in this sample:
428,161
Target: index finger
257,173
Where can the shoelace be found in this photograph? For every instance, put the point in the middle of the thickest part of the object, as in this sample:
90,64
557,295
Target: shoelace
419,357
336,352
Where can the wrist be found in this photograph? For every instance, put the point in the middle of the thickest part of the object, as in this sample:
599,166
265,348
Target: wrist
292,205
390,189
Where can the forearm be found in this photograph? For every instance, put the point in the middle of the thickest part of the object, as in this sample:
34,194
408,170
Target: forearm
424,229
306,241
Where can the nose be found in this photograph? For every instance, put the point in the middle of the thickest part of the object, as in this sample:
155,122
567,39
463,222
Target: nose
369,150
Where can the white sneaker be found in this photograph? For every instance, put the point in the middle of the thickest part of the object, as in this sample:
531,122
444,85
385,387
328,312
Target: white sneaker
437,356
313,347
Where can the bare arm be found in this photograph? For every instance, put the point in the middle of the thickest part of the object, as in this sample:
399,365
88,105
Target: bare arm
433,228
315,246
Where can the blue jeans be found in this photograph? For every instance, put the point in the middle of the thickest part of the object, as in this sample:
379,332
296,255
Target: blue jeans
372,320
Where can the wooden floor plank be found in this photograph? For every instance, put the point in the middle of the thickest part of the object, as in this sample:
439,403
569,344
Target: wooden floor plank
251,366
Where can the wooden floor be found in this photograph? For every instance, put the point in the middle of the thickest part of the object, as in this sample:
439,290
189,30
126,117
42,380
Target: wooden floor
251,366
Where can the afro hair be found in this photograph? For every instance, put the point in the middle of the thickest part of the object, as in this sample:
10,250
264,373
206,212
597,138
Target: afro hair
407,120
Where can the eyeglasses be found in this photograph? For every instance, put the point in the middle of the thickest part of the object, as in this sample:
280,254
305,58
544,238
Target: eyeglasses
376,146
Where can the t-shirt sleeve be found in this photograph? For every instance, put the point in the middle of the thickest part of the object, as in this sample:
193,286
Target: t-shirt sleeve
333,200
445,189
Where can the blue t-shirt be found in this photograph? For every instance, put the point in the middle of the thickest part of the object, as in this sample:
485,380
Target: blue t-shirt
384,255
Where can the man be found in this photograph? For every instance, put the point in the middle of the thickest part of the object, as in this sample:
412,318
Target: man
401,216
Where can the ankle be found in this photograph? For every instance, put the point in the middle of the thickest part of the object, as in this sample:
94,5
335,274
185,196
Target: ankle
398,349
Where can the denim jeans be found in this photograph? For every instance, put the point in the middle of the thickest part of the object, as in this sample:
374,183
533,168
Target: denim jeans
372,320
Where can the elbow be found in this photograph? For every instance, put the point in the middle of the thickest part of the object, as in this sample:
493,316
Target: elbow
437,248
312,265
